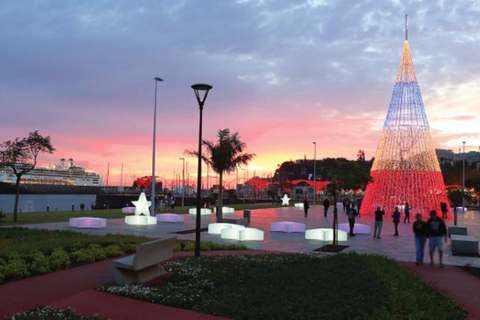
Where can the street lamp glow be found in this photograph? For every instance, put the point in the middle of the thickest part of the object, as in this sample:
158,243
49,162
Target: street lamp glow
152,195
199,89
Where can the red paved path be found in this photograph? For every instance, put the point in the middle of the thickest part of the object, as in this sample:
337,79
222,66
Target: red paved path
74,288
452,281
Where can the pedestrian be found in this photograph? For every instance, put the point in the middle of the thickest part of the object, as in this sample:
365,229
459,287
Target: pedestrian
407,213
306,206
326,204
172,202
396,220
165,202
436,229
379,213
420,232
444,208
352,213
359,204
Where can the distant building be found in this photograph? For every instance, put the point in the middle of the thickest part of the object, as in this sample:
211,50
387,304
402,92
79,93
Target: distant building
445,155
471,157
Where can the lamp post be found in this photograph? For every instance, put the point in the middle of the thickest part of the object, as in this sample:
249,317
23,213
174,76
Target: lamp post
183,181
244,184
199,89
463,180
152,207
314,173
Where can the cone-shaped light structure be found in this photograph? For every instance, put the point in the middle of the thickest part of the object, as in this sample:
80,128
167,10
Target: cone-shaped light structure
405,168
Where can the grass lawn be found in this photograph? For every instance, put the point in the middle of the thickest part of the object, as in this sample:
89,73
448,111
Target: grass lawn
296,286
64,216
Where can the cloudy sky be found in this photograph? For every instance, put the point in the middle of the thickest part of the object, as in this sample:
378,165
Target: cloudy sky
284,74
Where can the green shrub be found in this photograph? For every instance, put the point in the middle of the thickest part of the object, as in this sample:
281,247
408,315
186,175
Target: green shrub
113,250
1,275
128,247
39,264
82,256
97,251
59,259
15,269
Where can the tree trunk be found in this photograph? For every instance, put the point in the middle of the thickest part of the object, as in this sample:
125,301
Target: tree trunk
17,195
220,197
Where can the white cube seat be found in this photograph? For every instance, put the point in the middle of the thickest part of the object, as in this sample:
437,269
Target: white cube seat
170,217
128,210
216,228
88,222
225,210
203,211
287,226
298,205
357,229
251,234
230,233
140,220
325,234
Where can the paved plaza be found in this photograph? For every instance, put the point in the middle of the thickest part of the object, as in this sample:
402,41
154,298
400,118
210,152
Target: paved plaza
400,248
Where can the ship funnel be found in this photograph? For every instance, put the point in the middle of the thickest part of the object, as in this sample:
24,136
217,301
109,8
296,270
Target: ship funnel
70,163
62,162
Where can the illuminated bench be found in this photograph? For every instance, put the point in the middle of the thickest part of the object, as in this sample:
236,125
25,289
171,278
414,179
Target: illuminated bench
325,234
225,210
170,217
216,228
128,210
88,222
287,226
251,234
357,229
145,265
203,211
140,220
298,205
230,233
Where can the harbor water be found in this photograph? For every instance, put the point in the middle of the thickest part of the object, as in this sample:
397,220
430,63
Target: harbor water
46,202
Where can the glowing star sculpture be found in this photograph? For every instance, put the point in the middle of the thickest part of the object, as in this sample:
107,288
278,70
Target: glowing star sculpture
405,168
142,212
285,200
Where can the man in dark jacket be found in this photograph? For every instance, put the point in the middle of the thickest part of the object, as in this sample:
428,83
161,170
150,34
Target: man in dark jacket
352,213
436,229
396,220
326,204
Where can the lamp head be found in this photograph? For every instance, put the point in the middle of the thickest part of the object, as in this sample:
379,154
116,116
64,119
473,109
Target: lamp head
158,79
201,88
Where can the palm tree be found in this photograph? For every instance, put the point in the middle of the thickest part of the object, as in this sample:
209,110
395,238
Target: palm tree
224,156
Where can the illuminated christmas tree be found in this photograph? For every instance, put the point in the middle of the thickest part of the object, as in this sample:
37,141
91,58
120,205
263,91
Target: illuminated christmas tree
405,168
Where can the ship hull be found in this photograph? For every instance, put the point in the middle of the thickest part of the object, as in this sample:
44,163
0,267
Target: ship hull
8,188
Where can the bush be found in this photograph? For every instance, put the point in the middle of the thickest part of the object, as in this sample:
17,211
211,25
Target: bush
82,256
15,269
39,264
113,250
59,259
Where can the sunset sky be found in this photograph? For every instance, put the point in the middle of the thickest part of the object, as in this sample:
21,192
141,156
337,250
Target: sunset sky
284,74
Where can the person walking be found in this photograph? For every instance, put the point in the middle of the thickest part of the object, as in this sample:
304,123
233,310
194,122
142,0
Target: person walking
306,206
407,213
444,208
359,204
379,213
352,213
396,220
436,229
420,231
326,204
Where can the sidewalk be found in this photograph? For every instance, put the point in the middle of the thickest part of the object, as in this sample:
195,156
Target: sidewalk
75,288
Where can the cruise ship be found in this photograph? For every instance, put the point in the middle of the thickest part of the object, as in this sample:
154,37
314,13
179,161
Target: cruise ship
65,178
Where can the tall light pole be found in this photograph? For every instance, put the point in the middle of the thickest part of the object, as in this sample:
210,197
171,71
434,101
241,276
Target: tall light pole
314,173
199,89
183,181
463,180
244,184
152,198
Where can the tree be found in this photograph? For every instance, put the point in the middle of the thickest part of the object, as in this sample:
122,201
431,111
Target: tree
224,156
343,175
20,155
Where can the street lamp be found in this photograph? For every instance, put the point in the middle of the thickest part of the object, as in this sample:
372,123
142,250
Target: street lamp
314,173
463,180
199,89
152,207
183,181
